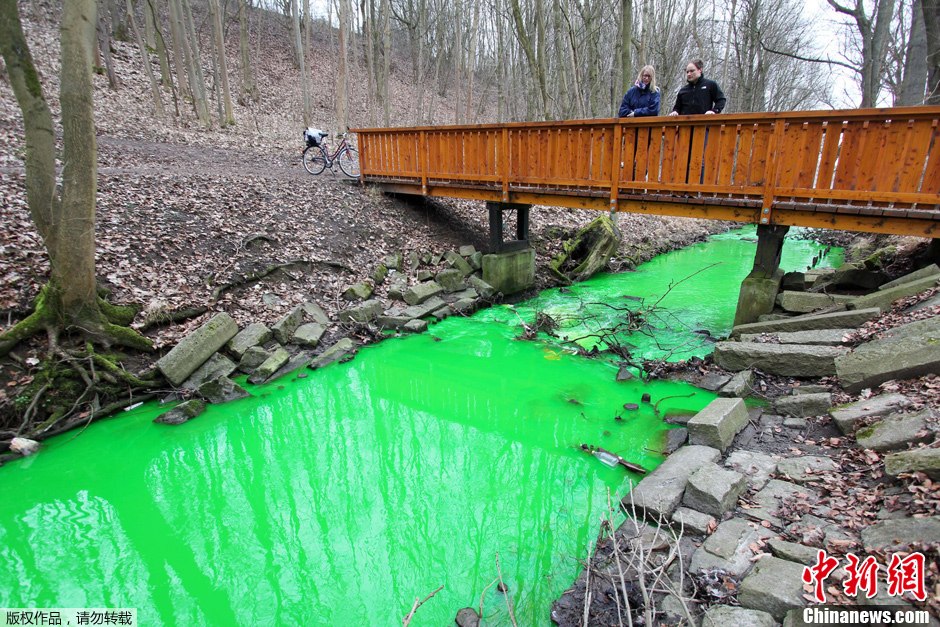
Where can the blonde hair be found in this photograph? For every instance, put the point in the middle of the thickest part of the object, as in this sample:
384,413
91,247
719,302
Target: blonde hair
648,69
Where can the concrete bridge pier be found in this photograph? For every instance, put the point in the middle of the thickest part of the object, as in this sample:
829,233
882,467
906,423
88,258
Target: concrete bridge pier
759,289
510,266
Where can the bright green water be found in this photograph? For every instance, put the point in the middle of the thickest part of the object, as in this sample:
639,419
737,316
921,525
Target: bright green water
339,498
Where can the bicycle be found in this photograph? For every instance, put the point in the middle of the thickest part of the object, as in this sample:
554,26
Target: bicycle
317,156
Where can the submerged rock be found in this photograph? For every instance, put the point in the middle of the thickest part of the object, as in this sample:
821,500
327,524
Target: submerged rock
183,412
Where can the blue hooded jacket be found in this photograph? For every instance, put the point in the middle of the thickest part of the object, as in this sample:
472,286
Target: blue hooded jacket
641,101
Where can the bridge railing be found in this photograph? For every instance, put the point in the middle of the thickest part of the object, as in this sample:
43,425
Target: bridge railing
882,158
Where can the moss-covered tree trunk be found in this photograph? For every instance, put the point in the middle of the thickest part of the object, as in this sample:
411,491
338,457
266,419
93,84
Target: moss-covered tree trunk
66,223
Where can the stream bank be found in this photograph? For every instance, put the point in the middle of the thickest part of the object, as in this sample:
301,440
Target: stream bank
841,457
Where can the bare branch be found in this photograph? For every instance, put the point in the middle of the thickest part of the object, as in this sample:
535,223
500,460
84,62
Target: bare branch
827,60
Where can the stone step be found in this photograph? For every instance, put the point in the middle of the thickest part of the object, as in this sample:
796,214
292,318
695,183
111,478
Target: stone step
837,320
792,360
911,350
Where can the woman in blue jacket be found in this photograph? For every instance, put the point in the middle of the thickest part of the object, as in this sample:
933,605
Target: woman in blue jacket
643,97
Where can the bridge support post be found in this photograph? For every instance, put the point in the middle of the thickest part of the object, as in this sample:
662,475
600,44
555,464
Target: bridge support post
759,289
510,266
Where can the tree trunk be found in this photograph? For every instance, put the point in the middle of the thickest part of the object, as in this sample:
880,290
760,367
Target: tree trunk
914,78
932,28
180,49
228,115
301,62
196,77
145,60
249,90
386,62
530,54
103,29
342,121
626,37
73,259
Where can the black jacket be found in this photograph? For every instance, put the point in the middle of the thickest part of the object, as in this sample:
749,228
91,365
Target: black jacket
699,97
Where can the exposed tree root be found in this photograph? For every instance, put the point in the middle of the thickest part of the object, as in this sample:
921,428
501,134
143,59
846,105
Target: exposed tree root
163,319
106,324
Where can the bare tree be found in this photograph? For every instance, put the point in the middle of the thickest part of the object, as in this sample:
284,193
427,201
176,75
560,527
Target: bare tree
64,219
145,60
249,88
873,30
227,115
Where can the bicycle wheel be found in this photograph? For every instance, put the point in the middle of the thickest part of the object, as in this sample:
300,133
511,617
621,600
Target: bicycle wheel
349,162
314,163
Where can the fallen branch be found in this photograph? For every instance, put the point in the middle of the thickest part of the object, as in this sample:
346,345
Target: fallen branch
414,608
505,590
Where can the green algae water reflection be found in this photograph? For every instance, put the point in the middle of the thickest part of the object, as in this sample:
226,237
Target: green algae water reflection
339,498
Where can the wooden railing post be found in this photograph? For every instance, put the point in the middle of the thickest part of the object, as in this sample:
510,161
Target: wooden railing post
770,171
616,160
504,164
423,161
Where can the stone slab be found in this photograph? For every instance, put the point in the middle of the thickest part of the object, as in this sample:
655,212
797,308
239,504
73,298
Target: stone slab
194,349
793,551
846,416
894,535
822,337
884,298
271,365
739,386
336,352
660,492
897,431
912,350
806,467
315,313
714,490
216,366
309,334
768,499
837,320
728,548
718,423
774,586
424,309
805,302
364,312
419,293
727,615
754,465
790,360
284,328
692,521
803,405
923,273
254,334
925,460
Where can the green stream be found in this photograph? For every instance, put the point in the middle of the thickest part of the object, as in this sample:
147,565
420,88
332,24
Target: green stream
338,498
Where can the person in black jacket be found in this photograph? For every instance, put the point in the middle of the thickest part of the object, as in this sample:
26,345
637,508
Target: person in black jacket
699,95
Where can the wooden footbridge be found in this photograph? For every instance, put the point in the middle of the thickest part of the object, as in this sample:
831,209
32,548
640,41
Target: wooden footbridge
874,170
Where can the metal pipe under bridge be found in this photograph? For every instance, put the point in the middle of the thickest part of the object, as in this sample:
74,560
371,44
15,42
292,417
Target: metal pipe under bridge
872,170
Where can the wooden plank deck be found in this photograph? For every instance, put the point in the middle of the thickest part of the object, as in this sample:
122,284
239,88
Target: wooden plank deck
873,170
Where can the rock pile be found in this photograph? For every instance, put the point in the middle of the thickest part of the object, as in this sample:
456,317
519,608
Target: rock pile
416,288
747,499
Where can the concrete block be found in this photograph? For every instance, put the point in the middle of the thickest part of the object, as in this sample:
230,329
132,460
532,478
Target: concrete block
718,423
510,272
194,349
